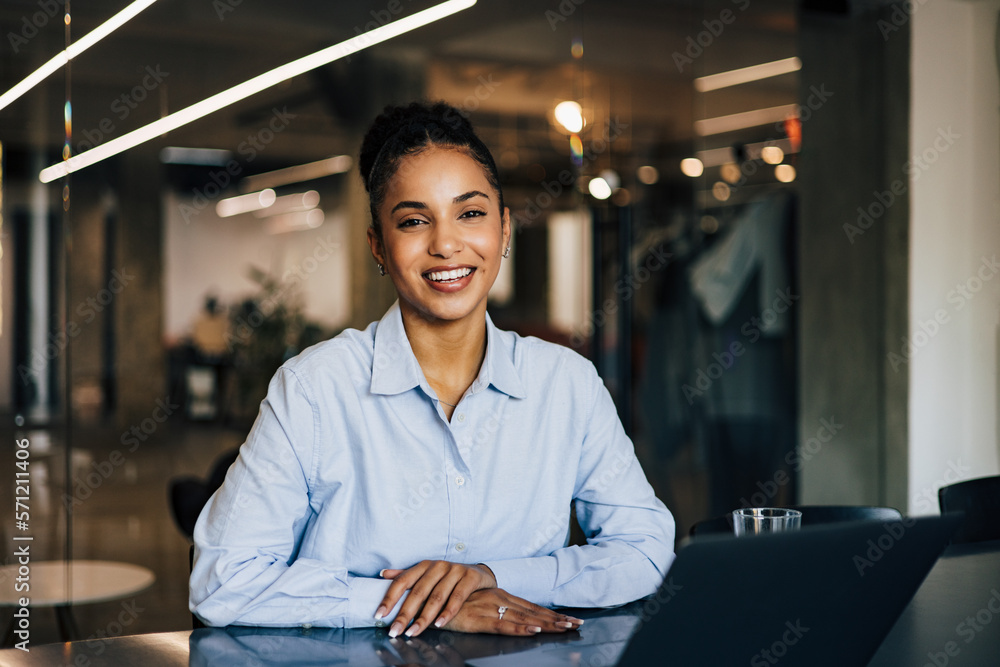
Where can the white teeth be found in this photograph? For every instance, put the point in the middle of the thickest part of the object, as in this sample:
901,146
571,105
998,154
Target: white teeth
442,276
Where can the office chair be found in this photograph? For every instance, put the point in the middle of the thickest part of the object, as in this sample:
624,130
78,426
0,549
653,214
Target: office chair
189,494
980,500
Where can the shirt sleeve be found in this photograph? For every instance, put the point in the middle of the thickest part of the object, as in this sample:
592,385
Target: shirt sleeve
245,569
630,533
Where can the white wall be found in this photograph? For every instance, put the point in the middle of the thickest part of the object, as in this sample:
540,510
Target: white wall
212,254
955,226
570,272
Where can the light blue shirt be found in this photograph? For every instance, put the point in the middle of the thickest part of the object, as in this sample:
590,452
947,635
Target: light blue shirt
352,467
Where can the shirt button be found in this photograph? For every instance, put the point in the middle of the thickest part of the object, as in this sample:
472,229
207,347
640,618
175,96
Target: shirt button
460,546
461,416
460,480
380,623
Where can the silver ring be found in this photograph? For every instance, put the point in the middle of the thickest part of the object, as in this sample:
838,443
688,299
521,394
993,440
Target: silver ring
501,611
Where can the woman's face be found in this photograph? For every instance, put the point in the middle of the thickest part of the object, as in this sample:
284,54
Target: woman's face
442,235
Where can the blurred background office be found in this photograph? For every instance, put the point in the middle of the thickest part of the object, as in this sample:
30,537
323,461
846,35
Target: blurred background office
771,224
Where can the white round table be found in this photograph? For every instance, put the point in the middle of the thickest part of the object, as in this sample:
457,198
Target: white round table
90,581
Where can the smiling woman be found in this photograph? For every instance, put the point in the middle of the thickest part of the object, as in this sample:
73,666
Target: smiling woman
421,472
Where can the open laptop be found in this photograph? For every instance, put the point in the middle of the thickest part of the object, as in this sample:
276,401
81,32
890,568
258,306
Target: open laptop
823,595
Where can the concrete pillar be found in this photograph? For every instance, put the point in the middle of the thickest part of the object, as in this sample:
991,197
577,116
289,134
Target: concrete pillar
91,292
138,309
853,259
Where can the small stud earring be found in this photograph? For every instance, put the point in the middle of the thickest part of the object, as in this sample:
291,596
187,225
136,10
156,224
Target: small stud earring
506,252
381,270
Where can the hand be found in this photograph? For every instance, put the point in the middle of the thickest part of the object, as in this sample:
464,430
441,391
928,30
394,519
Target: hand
480,613
438,589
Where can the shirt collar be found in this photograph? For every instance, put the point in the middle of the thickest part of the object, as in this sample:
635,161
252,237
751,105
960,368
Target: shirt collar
395,368
499,362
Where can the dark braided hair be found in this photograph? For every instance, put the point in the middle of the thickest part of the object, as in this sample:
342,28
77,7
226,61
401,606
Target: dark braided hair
401,131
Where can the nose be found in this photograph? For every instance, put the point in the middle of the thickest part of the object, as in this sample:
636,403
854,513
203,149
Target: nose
445,240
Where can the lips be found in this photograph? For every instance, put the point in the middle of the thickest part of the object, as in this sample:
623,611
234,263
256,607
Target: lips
449,280
448,276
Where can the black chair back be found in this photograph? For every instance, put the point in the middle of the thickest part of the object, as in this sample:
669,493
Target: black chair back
980,500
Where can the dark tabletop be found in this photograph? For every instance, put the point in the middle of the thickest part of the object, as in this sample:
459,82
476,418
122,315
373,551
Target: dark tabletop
953,620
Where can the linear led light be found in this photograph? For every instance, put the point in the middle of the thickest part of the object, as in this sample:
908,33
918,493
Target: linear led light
254,201
298,173
747,74
744,120
253,86
302,201
73,50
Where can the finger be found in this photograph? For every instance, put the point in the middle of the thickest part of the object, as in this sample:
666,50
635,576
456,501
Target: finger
566,621
466,586
525,616
420,580
428,596
402,580
549,620
505,627
390,574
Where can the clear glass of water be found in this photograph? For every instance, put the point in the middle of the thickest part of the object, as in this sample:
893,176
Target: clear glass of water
762,520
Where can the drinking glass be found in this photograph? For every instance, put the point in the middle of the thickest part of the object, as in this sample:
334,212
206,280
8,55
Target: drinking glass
762,520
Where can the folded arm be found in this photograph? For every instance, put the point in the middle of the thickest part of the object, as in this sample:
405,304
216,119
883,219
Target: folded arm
246,569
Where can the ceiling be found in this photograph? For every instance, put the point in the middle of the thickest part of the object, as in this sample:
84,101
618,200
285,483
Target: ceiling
521,49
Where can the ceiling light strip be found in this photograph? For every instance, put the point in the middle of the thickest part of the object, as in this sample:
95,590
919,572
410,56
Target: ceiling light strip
73,50
747,74
744,120
303,172
251,87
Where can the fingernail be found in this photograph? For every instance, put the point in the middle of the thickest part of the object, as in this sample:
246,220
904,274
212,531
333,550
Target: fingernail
394,630
412,630
379,613
534,628
576,620
438,623
564,624
381,573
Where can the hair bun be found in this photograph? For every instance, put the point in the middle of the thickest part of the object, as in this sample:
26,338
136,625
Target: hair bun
414,121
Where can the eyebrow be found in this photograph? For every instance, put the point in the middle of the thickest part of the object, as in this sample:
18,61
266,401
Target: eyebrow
419,205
